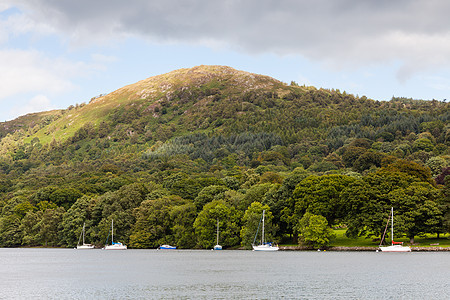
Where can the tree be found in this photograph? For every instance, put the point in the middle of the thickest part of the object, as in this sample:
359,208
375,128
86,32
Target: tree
206,222
182,218
313,230
417,209
365,210
65,197
255,193
48,226
153,225
351,154
411,168
437,164
320,195
208,194
73,220
367,160
251,224
10,235
29,228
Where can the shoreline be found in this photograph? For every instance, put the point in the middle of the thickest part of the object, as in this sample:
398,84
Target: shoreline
350,249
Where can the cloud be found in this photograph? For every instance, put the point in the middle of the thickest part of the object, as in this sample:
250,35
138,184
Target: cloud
30,71
340,34
37,103
14,23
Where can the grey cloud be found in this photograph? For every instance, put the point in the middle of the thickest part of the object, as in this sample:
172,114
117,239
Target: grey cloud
337,32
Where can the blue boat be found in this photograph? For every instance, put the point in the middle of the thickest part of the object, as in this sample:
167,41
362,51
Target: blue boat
167,247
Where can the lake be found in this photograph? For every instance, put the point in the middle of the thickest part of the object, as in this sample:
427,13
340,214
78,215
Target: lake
203,274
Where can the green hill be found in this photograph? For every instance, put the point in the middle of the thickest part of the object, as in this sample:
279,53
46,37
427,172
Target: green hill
192,137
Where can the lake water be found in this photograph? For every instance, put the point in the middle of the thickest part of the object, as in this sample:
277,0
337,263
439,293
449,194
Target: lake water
185,274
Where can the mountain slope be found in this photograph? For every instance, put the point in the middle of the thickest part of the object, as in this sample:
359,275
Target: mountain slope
196,86
218,104
173,145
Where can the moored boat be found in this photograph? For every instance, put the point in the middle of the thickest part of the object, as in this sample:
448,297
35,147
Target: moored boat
217,246
395,246
114,246
167,247
263,246
84,246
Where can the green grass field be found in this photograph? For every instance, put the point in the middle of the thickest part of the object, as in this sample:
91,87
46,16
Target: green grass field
419,241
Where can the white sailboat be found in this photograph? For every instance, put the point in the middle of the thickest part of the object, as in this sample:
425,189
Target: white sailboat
263,246
217,246
114,246
395,246
83,246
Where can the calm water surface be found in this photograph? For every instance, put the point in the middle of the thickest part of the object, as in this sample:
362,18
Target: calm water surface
184,274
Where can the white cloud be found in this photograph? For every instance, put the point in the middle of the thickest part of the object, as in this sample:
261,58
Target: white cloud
4,6
340,33
35,104
30,71
16,24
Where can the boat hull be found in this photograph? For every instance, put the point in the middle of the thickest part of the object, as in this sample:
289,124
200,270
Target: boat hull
85,247
266,247
217,247
167,247
118,246
395,248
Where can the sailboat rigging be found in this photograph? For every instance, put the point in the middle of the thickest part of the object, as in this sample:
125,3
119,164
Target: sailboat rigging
114,246
83,246
395,246
217,246
263,246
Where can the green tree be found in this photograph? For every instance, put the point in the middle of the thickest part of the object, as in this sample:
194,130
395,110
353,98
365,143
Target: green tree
255,193
417,209
183,217
313,230
73,220
320,195
351,154
206,223
29,228
10,235
251,224
153,225
208,194
48,226
65,197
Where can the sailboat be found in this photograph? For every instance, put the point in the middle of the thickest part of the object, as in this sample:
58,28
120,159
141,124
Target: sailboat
84,246
114,246
263,246
395,246
167,247
217,246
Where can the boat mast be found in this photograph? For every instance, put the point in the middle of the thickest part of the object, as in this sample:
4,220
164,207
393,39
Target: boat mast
112,232
262,235
84,224
217,243
392,226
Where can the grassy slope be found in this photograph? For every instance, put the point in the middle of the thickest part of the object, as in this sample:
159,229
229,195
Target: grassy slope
426,241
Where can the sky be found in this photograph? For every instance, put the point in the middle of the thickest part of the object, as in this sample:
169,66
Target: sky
57,53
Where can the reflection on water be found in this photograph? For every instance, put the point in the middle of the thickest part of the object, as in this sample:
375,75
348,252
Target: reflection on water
184,274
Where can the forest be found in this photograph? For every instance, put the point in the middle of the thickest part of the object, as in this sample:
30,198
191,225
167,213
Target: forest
167,157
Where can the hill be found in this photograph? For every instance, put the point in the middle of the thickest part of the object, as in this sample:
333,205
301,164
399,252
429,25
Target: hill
185,139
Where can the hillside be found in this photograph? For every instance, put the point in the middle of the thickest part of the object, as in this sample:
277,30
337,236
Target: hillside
196,139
